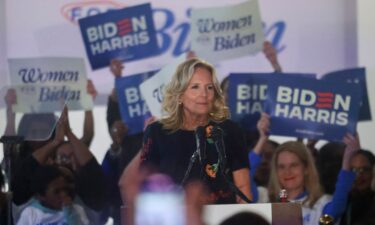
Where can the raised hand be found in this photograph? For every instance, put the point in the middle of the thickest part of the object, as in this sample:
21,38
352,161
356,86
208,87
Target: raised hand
10,97
116,67
91,90
352,146
64,120
271,54
263,125
190,55
59,131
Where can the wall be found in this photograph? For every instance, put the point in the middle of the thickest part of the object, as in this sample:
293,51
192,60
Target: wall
366,56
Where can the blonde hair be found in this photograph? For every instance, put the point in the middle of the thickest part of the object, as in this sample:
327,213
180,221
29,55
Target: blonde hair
177,86
311,179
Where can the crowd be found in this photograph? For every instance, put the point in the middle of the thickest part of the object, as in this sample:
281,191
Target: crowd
59,181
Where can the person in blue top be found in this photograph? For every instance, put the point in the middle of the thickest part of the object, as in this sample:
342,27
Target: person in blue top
293,169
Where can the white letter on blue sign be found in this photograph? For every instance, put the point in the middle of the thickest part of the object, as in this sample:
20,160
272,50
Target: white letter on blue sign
284,94
131,95
243,92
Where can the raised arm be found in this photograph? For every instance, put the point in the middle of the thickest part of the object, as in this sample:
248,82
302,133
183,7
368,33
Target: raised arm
113,111
352,146
345,180
254,156
116,67
271,54
88,125
44,153
263,127
81,151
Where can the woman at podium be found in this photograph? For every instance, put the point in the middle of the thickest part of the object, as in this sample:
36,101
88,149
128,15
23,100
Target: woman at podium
195,140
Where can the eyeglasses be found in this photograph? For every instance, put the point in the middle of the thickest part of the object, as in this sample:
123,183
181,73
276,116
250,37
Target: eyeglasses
360,170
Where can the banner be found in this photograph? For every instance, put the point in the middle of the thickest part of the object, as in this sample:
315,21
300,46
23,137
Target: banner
314,109
153,89
133,108
247,93
45,84
60,35
127,34
227,32
354,76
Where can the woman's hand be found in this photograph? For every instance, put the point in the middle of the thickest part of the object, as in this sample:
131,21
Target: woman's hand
10,97
263,127
62,127
270,52
352,146
190,55
116,67
91,90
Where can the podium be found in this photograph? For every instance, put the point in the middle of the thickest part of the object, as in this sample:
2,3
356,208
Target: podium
274,213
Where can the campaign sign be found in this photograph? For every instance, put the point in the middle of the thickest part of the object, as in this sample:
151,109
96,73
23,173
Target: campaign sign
354,76
247,93
45,84
133,108
127,34
314,109
153,89
227,32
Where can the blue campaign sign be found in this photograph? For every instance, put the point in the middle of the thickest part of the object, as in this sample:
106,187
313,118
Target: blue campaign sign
246,96
127,34
354,76
247,93
133,108
314,109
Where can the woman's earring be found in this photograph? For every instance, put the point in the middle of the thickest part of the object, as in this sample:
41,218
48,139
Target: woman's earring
179,103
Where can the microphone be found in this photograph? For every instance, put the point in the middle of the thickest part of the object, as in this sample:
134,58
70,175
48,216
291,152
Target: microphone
201,144
216,133
200,152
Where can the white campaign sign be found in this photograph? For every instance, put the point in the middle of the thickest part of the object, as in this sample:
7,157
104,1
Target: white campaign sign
36,28
310,37
153,89
45,84
227,32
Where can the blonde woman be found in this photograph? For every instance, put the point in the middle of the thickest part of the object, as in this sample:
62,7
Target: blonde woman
192,99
